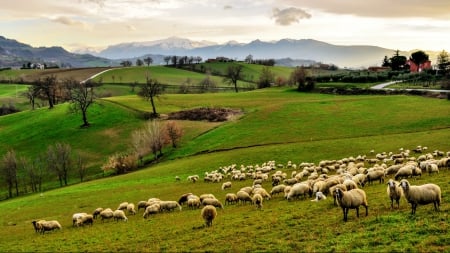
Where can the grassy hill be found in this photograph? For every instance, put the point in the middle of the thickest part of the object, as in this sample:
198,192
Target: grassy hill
278,124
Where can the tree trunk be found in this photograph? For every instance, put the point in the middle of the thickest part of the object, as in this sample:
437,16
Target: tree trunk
85,121
153,106
235,86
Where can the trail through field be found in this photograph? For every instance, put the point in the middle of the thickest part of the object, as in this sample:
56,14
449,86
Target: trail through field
383,86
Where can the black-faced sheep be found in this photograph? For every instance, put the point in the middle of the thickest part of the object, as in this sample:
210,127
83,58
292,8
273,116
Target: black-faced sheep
119,215
421,194
49,226
394,192
257,200
209,213
351,199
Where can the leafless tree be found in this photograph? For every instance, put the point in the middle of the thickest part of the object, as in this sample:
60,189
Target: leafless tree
32,93
9,168
59,161
149,91
174,133
82,96
233,74
47,87
81,166
148,60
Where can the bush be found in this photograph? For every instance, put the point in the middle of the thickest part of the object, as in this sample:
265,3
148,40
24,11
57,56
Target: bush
121,163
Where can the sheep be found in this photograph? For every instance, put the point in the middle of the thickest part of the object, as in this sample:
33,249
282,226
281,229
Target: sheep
193,178
193,203
394,192
86,219
257,200
351,199
206,196
169,205
243,197
421,194
142,204
119,215
209,213
184,198
152,209
130,209
96,212
231,198
277,189
226,185
319,197
375,175
432,168
122,206
404,172
213,202
287,189
350,184
332,191
37,225
262,192
76,216
247,189
107,214
299,189
49,226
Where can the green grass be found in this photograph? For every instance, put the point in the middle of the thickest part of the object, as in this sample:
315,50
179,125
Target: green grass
11,94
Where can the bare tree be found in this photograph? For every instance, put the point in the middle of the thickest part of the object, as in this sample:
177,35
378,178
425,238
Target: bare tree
302,78
82,96
139,62
81,166
151,89
167,59
59,161
233,74
174,133
154,134
9,171
207,83
32,93
148,60
47,87
266,78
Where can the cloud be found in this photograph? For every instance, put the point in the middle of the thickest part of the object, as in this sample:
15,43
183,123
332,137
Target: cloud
290,15
68,21
227,7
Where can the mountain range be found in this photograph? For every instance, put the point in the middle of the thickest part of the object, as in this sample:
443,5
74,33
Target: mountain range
292,52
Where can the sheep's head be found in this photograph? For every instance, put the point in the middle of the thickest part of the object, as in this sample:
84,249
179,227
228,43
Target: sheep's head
404,184
339,193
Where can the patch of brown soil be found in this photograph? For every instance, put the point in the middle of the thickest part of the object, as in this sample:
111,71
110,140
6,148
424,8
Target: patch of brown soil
205,113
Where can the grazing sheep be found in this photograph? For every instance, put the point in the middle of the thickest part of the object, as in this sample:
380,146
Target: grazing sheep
298,190
206,196
130,209
243,197
421,194
123,206
394,192
107,214
257,200
404,172
169,205
97,212
37,225
183,199
194,203
142,204
86,219
213,202
152,209
177,178
350,184
375,175
226,185
209,213
290,181
49,226
319,196
119,215
391,170
193,178
262,192
277,189
432,168
77,216
231,198
247,189
351,199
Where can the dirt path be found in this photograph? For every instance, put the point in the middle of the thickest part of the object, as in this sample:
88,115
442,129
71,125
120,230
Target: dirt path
383,85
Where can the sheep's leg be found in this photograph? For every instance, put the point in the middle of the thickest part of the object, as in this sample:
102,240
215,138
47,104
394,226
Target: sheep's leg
367,210
345,211
413,208
357,212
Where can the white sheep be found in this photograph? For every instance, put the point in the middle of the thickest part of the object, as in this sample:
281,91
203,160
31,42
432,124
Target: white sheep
394,192
86,219
277,189
184,198
351,199
350,184
49,226
319,197
142,204
375,175
122,206
130,209
152,209
194,203
432,168
257,200
209,213
298,190
77,216
169,205
107,214
213,202
405,172
226,185
119,215
243,197
96,212
231,198
261,191
421,194
332,191
37,225
206,196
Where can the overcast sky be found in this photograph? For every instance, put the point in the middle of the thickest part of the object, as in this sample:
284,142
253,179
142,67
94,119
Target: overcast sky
73,24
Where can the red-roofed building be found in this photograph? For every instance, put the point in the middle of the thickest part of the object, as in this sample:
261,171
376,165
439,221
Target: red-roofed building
418,68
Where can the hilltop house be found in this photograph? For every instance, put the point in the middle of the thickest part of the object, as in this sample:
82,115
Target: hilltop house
413,67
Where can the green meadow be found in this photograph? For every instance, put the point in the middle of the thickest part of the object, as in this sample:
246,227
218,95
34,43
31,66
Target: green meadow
277,124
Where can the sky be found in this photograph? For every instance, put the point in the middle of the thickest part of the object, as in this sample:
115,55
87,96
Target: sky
96,24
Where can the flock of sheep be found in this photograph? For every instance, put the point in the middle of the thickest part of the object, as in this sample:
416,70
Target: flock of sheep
343,180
